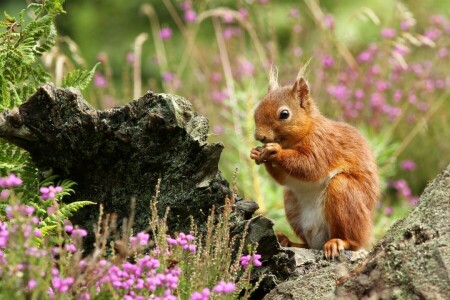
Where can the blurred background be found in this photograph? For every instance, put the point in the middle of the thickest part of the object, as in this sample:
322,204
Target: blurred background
379,65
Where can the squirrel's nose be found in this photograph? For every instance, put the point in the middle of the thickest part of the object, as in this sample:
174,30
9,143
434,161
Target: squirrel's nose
260,138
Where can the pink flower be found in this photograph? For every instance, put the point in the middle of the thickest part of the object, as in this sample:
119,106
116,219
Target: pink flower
79,232
388,33
190,16
246,68
99,80
10,181
255,259
388,210
327,61
70,248
243,13
433,33
328,21
443,52
408,165
130,57
165,33
203,295
4,194
228,17
50,192
224,287
406,24
217,129
31,284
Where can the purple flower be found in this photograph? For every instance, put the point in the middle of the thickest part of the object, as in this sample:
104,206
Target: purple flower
10,181
190,16
388,33
413,200
365,56
165,33
255,259
406,24
443,52
99,80
228,17
217,129
68,228
31,284
243,13
50,192
37,233
229,32
328,21
397,96
4,194
79,232
432,33
246,68
4,234
62,284
141,239
203,295
408,165
168,77
327,61
220,96
70,248
388,210
130,57
402,187
224,287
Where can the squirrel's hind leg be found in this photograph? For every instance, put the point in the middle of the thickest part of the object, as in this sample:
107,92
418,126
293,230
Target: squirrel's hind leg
349,218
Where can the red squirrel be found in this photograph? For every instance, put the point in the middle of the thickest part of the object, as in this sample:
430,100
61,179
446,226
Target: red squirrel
328,171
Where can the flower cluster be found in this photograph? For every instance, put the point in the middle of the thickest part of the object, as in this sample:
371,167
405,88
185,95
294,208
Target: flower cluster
8,182
250,259
50,192
183,240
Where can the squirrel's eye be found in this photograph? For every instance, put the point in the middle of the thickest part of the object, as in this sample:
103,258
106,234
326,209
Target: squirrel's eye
284,114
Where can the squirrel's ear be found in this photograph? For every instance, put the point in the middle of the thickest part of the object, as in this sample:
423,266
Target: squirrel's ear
300,91
273,78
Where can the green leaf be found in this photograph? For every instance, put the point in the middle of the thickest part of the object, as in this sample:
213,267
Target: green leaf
79,79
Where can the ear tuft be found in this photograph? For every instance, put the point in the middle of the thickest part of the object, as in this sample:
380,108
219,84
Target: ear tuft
273,78
300,90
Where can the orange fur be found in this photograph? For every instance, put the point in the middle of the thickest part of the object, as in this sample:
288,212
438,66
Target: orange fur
307,149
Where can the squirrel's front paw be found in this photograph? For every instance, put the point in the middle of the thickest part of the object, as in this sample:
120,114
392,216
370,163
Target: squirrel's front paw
270,152
255,154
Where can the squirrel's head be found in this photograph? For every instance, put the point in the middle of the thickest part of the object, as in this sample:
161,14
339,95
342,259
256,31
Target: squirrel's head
285,114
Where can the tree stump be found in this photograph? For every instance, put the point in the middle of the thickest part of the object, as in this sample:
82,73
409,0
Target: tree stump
120,153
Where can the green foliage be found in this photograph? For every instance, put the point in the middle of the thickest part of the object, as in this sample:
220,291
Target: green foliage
61,211
23,41
79,79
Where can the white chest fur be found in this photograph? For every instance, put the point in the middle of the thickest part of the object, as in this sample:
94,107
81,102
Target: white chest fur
309,200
